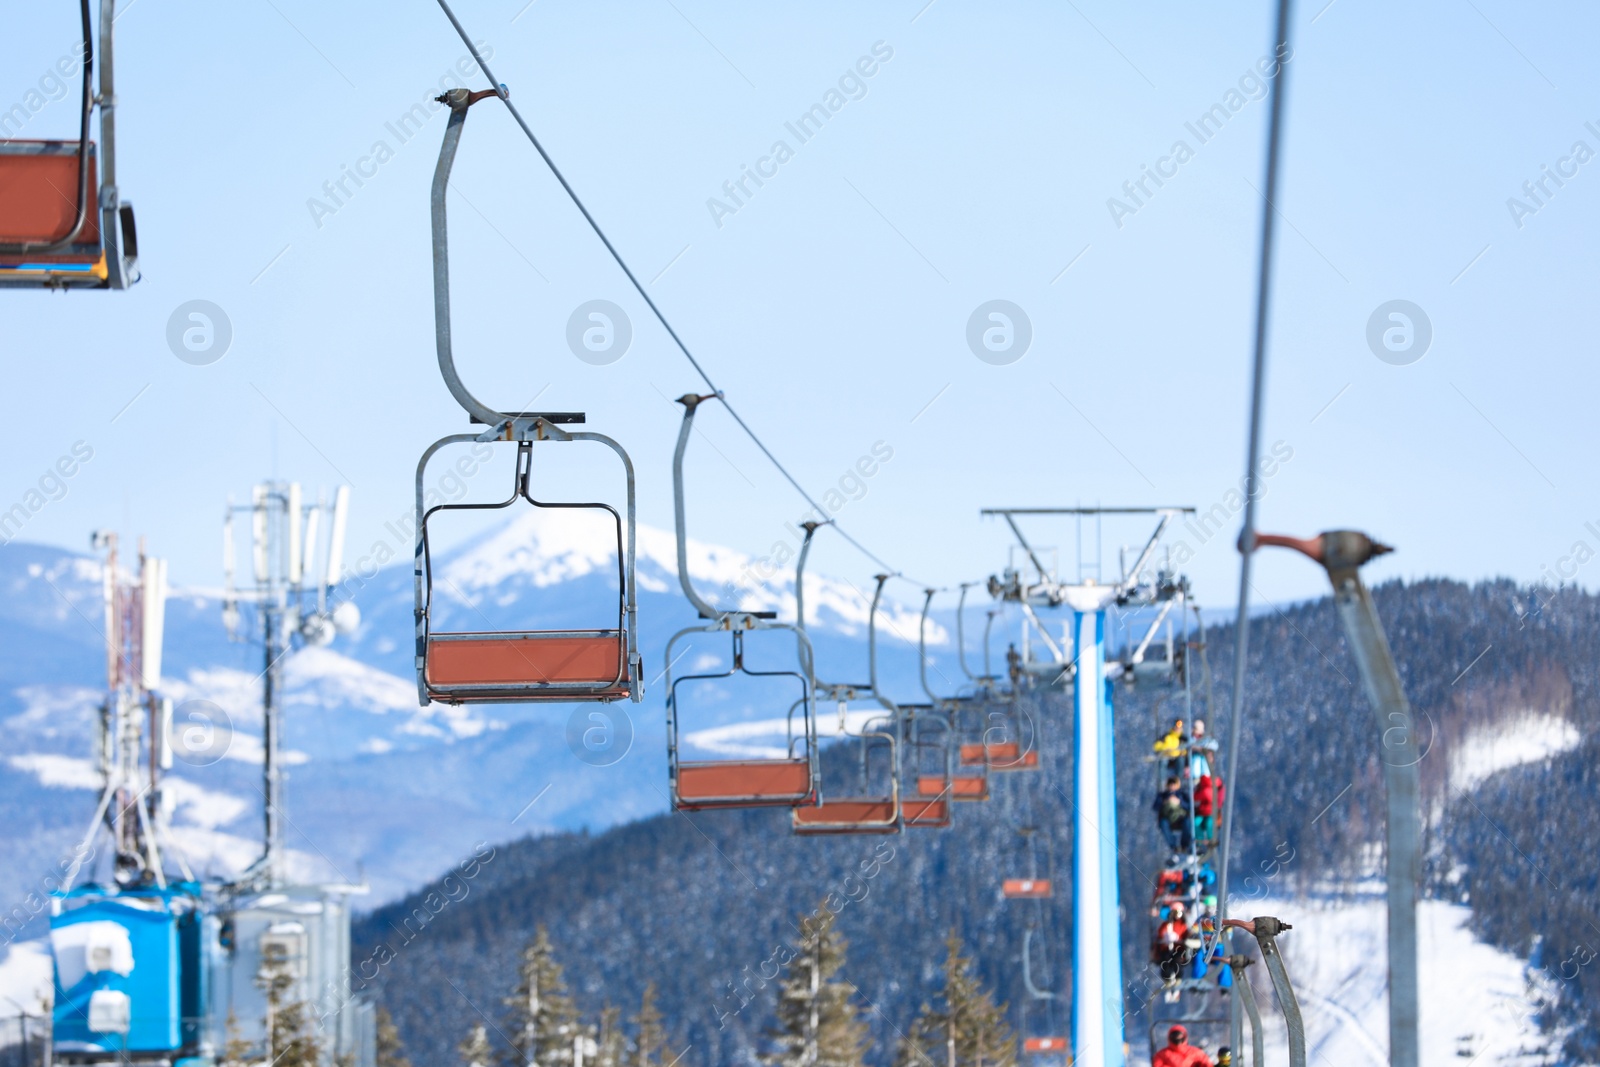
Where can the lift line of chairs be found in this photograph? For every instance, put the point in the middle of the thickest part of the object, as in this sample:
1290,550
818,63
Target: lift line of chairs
63,224
945,748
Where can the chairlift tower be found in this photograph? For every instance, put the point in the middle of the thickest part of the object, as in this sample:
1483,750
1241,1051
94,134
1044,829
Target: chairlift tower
1097,1014
292,599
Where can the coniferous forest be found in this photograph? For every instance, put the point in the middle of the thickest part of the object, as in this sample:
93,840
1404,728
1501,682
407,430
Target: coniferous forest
718,937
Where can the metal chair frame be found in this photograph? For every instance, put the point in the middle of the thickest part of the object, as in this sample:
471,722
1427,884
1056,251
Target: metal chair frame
867,813
97,251
793,788
525,429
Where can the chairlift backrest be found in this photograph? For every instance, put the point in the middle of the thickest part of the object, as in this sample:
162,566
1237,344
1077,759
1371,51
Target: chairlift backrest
62,222
526,665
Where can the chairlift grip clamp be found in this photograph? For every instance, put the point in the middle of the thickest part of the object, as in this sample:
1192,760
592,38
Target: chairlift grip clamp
694,400
461,99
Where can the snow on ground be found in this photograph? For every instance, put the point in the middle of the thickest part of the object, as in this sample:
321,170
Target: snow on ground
25,977
1513,741
1479,1004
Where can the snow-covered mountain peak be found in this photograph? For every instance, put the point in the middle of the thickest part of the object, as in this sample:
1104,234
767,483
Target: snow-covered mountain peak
542,548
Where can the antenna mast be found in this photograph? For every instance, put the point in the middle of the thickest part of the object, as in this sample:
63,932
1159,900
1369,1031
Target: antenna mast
292,600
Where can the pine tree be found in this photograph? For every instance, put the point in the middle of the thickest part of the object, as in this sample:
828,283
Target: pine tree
817,1024
475,1051
292,1043
968,1029
391,1051
544,1020
612,1043
652,1035
236,1051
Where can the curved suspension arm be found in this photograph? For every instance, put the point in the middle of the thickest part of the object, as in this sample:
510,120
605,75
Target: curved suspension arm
922,643
988,625
118,234
961,632
1027,970
1246,995
806,660
690,402
458,100
872,648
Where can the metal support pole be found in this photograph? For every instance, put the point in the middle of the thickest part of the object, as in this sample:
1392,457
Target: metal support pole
1245,994
1266,930
1342,553
271,732
1097,1018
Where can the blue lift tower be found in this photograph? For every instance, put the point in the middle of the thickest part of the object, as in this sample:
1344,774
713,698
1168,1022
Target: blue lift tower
1079,658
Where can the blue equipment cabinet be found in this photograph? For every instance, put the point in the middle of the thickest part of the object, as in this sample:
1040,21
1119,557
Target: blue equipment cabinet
130,972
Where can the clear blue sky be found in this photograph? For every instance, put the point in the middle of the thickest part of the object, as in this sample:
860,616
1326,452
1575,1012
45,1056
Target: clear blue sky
833,305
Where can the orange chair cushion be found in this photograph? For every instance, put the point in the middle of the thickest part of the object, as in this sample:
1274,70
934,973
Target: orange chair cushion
755,780
845,816
524,660
38,201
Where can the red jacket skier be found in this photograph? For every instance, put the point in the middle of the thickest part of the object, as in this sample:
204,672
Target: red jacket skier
1179,1053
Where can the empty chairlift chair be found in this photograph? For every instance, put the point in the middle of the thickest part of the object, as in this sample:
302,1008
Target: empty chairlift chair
1034,885
874,808
784,781
531,664
927,752
62,222
1004,747
877,807
974,783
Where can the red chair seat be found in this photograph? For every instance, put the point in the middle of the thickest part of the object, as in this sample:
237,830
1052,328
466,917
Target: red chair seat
1027,761
1025,888
38,203
1045,1044
529,666
855,816
928,814
1004,756
969,788
743,783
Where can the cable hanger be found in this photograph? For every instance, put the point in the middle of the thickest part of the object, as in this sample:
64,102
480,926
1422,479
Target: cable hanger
1241,628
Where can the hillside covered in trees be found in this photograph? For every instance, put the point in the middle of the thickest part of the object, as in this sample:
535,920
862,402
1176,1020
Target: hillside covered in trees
705,907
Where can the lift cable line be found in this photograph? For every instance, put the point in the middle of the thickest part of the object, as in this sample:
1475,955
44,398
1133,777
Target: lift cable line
1241,629
505,97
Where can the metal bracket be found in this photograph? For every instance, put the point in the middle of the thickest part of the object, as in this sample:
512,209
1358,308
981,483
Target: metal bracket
1265,929
1342,553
